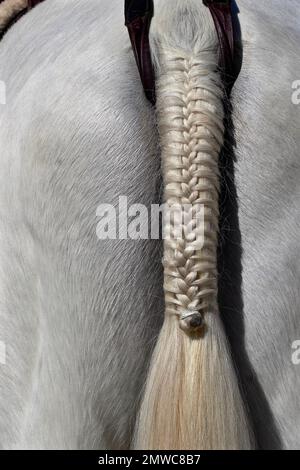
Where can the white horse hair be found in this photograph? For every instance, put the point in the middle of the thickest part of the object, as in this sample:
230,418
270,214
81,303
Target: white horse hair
80,317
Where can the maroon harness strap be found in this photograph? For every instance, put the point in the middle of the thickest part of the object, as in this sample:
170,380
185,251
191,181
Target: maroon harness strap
138,16
222,16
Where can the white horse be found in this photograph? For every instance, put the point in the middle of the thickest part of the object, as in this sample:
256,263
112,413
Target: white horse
79,315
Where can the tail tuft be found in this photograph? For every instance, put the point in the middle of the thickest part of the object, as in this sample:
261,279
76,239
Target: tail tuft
192,399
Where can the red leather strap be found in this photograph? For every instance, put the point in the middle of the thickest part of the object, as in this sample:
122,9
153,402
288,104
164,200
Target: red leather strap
222,15
139,35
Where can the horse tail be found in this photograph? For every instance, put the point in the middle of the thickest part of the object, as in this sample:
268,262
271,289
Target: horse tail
192,398
9,9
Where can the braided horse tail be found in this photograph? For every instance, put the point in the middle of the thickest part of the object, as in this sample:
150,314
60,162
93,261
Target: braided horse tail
192,398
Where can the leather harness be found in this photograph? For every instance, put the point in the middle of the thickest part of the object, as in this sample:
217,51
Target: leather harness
138,16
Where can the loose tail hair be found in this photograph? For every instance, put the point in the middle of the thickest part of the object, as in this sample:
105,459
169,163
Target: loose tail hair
192,398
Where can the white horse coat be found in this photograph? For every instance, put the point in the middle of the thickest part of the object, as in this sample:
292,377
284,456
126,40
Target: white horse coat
79,316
